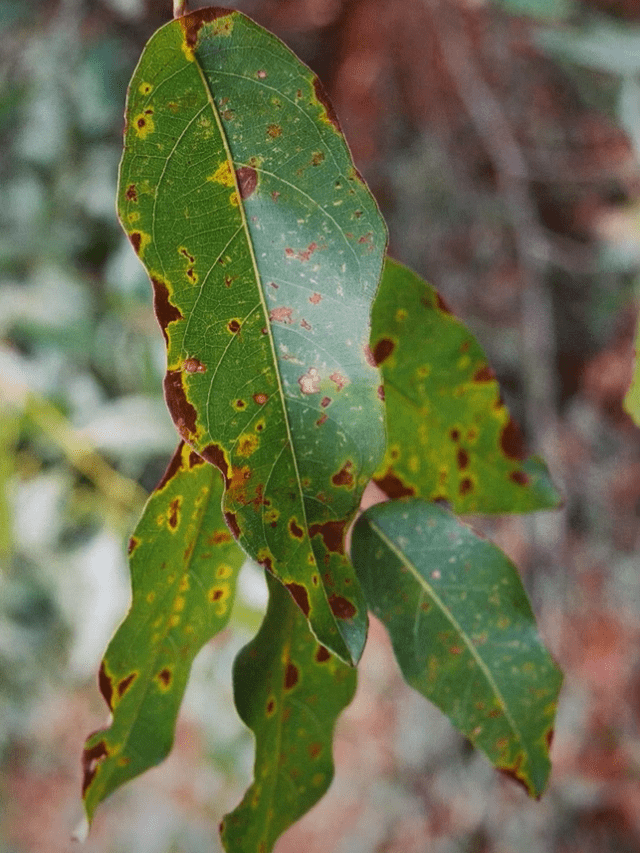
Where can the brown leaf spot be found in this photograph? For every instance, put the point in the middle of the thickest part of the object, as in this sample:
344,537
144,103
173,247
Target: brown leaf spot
219,537
274,131
136,240
344,477
214,454
381,392
393,486
261,74
126,683
195,459
131,193
325,402
462,459
182,411
315,298
233,326
341,607
332,533
173,516
512,441
295,530
515,772
281,315
321,420
442,305
322,655
291,676
192,365
484,374
456,650
383,350
323,98
247,181
106,686
309,382
465,486
230,518
133,544
173,467
549,738
315,749
368,356
454,435
339,380
317,157
192,23
299,595
260,399
164,310
91,758
305,325
271,706
303,254
165,676
519,477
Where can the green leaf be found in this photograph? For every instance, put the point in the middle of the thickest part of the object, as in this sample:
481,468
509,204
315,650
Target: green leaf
289,690
632,397
449,435
184,565
264,248
603,46
555,10
462,631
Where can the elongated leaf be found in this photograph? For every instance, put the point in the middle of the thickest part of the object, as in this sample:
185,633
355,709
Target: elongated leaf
632,397
462,631
184,565
264,248
449,435
289,690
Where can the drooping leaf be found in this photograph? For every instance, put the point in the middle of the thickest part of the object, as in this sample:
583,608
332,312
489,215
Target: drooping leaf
450,437
184,565
462,631
632,397
289,690
264,248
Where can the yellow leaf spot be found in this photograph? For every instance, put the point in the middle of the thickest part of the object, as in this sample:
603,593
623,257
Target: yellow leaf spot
188,52
224,571
223,175
423,371
414,464
184,584
143,124
247,444
174,621
222,26
178,604
145,88
464,362
134,216
151,597
233,199
401,314
318,779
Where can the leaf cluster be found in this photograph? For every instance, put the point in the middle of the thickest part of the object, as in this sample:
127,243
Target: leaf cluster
302,363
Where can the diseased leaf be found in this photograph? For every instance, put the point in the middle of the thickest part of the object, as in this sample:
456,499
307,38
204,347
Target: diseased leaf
632,397
184,565
264,248
462,631
289,690
450,437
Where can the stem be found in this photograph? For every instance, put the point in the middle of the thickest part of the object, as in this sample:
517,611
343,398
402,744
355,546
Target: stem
179,8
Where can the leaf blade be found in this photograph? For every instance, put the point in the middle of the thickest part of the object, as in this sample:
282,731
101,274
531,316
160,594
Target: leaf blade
462,630
262,379
289,690
184,565
450,437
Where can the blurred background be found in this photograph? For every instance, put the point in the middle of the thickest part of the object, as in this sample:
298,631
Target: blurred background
501,140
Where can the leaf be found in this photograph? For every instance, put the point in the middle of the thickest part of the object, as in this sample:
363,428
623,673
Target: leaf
632,397
603,46
450,437
184,565
539,9
289,690
462,631
264,248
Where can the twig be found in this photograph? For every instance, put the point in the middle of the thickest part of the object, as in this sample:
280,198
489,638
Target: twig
180,8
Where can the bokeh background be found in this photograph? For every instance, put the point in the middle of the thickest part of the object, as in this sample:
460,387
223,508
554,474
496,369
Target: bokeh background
501,140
